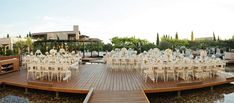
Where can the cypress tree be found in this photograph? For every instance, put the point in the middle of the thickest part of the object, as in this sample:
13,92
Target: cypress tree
30,34
157,42
8,36
192,36
214,38
176,36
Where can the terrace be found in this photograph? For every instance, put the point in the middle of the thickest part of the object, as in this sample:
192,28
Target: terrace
101,84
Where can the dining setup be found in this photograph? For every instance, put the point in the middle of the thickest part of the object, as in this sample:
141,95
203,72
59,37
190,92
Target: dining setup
53,66
166,65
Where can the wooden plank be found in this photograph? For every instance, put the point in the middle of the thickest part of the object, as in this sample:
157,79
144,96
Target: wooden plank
180,88
54,89
145,96
135,96
189,83
9,57
87,98
2,73
46,84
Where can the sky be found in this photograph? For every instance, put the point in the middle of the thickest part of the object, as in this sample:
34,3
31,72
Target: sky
105,19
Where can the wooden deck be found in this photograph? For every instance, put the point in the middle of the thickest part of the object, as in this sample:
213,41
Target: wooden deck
120,96
109,86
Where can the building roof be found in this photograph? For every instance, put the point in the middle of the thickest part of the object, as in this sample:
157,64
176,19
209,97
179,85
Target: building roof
42,33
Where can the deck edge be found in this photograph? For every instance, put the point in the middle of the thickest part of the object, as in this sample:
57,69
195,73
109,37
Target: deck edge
54,89
181,88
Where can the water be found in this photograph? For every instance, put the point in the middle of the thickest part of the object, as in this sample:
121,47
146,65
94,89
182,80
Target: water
13,99
38,96
220,94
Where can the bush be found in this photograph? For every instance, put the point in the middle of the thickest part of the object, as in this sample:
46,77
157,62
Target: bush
9,53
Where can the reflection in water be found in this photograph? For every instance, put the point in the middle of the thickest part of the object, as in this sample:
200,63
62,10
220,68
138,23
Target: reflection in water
220,94
228,98
13,99
37,96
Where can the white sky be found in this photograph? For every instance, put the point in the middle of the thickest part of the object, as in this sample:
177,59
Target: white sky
105,19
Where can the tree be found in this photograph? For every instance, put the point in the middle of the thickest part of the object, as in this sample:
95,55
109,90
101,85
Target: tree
107,47
218,38
20,45
8,36
157,42
214,38
30,34
176,36
192,36
128,42
28,42
148,46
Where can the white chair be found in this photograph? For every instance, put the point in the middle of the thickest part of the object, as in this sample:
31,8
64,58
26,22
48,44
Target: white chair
170,70
207,69
64,72
123,63
116,64
149,72
131,64
144,65
46,71
180,72
198,72
30,71
189,71
137,64
159,71
38,70
55,71
109,64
